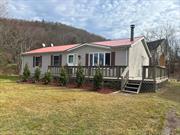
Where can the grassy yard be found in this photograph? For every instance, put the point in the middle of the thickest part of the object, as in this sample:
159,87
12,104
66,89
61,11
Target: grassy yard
38,109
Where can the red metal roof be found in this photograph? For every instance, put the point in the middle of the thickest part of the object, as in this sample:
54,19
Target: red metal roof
51,49
118,42
62,48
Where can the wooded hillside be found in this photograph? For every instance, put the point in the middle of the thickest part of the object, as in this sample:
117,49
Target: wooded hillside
17,36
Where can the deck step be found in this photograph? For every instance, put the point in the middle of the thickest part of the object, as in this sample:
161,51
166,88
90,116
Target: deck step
128,87
132,87
128,91
129,83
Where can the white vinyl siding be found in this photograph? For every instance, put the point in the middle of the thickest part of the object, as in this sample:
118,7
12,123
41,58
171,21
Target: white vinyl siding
138,57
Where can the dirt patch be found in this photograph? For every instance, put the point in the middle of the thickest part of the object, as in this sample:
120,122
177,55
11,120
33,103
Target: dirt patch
172,123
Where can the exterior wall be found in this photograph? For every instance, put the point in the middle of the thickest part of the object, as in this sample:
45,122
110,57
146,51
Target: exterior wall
82,51
154,59
27,60
138,57
121,56
157,53
46,61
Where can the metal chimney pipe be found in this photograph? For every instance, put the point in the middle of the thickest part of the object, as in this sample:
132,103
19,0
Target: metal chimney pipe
132,32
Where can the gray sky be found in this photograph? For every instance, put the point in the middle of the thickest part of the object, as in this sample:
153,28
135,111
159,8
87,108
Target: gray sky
109,18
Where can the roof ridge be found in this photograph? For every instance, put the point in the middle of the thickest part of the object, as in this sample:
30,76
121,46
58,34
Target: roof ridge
116,39
156,40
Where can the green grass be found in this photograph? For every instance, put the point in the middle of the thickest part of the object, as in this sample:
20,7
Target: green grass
37,109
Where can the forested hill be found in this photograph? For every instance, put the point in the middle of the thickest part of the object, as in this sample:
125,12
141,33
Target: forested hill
20,35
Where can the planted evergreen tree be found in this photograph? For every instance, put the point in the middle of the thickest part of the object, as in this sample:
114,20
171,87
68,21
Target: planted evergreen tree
63,79
98,79
26,73
47,77
79,76
37,74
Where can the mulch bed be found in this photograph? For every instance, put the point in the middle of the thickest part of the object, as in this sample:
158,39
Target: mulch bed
85,86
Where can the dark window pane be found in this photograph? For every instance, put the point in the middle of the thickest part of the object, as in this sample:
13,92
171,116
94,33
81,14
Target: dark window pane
37,61
95,59
101,59
56,61
107,59
91,59
70,60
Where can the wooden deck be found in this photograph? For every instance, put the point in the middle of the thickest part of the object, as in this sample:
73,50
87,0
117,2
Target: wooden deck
151,75
108,72
158,80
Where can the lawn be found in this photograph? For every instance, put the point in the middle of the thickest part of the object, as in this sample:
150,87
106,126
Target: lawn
45,110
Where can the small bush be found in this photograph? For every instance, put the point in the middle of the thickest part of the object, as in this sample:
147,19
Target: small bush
79,76
47,77
63,79
26,73
37,74
98,79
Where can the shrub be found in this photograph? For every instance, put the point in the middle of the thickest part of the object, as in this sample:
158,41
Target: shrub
37,74
47,77
63,79
98,79
26,73
79,76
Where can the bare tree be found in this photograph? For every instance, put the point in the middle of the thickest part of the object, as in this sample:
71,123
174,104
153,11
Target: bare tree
168,32
3,8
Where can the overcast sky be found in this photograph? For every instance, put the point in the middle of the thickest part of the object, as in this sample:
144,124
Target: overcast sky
108,18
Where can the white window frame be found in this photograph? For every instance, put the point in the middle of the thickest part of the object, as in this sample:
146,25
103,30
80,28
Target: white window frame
74,59
98,58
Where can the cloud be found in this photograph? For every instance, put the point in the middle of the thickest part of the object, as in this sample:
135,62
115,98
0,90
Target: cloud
105,17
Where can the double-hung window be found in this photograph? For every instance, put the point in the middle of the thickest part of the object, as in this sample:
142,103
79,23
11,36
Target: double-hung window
96,61
107,59
71,59
37,61
99,59
56,60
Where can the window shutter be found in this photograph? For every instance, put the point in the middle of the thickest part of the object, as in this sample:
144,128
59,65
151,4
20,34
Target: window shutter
112,58
40,61
51,60
87,59
34,61
60,60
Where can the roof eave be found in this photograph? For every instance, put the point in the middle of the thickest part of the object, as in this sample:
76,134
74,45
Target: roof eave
41,53
146,48
121,46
